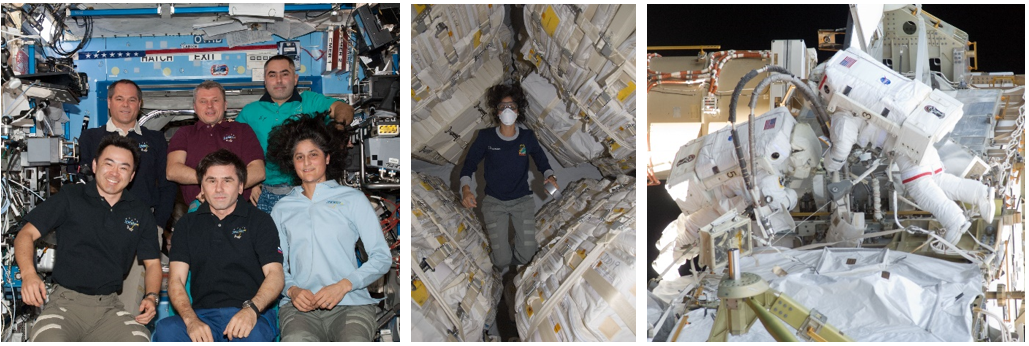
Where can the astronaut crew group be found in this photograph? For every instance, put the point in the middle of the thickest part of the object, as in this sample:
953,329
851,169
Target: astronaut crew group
297,241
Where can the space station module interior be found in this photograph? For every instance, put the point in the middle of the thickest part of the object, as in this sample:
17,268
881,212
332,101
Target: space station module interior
576,64
869,203
59,59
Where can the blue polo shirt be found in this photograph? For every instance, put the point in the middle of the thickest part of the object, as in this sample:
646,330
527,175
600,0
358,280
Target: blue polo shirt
263,115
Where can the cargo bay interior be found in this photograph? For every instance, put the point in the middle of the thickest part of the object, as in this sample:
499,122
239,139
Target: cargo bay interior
59,59
849,249
576,65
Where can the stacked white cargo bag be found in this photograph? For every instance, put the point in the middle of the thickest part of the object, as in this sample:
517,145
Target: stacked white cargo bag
458,52
587,52
581,285
453,286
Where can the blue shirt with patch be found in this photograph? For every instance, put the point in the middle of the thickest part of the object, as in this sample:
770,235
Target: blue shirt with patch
507,162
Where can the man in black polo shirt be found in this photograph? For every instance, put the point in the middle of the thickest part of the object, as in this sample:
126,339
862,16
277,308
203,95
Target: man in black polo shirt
151,186
232,250
100,227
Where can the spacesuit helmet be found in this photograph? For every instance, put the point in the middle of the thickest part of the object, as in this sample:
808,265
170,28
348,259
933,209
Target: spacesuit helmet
806,151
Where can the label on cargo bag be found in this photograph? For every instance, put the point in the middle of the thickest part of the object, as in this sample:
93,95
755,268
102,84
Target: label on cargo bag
626,91
418,292
549,20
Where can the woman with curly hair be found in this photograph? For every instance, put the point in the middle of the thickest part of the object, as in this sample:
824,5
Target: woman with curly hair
506,149
319,224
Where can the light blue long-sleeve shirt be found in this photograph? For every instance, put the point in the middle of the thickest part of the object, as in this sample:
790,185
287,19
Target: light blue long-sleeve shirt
318,236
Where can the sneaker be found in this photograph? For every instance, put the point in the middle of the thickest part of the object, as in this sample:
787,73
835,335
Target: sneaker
988,207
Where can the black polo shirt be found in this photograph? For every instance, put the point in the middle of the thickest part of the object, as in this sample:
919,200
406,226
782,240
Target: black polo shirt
95,241
225,256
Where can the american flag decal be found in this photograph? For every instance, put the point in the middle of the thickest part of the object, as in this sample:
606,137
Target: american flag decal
770,123
848,62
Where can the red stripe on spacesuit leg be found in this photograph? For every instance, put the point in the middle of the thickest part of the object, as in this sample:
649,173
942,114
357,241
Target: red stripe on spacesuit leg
908,180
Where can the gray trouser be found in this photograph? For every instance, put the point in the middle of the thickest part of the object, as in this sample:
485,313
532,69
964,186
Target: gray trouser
73,316
520,212
344,323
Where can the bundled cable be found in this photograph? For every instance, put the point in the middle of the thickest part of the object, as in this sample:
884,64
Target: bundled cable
57,39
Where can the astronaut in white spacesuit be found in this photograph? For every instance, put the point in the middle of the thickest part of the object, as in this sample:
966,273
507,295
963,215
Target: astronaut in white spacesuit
915,109
706,185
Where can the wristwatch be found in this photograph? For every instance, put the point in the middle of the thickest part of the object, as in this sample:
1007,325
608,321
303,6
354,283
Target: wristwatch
250,304
156,299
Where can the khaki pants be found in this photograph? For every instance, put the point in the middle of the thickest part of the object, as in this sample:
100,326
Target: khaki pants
73,316
344,323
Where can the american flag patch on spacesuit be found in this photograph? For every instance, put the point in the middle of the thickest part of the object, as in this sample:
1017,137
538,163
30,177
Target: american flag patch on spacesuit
770,123
848,62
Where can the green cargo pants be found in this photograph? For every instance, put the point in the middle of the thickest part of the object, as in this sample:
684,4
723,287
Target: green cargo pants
521,213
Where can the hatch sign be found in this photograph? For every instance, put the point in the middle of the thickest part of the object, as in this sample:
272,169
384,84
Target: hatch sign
156,58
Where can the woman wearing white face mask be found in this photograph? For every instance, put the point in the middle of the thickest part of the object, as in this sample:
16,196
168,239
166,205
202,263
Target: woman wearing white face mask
506,149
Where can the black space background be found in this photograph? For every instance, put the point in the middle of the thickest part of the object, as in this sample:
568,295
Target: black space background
999,31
